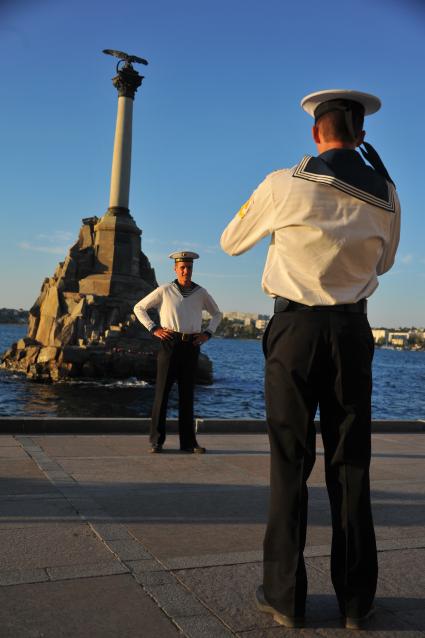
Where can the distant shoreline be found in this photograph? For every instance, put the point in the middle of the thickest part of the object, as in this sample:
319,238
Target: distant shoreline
14,322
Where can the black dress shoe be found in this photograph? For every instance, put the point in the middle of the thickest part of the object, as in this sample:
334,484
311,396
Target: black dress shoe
156,449
286,621
359,623
197,449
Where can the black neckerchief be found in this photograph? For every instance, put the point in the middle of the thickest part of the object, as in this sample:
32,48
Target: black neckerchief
344,169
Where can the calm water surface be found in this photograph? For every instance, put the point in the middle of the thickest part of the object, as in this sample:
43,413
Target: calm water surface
399,382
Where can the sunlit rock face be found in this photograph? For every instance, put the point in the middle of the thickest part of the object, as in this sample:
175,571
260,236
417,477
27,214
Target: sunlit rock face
82,324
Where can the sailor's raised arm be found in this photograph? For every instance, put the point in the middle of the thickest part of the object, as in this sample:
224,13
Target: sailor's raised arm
251,223
390,248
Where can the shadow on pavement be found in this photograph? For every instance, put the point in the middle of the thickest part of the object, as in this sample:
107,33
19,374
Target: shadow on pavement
27,499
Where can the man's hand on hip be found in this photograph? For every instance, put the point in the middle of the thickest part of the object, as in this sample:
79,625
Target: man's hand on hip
199,339
164,334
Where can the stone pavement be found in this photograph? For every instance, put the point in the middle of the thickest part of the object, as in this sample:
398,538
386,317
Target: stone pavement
100,539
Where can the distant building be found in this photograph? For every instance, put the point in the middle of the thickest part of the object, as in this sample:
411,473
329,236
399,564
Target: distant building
398,339
380,335
261,324
240,316
244,316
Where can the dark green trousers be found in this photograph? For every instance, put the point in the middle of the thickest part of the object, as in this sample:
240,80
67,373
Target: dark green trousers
319,358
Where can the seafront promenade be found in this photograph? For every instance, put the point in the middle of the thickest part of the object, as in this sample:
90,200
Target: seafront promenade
101,539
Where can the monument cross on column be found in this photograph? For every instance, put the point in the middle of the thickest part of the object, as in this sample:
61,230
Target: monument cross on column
127,81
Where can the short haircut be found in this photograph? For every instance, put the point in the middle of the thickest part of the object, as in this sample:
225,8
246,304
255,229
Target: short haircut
333,126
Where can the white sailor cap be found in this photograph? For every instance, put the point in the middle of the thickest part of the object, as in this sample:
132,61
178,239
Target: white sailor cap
183,255
321,102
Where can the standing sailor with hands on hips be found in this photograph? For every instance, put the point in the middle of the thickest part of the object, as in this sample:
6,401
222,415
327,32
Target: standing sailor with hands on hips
334,223
180,305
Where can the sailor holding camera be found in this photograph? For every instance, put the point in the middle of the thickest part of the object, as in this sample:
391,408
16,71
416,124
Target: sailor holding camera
334,223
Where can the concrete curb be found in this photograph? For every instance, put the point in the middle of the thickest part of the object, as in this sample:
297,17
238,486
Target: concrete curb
258,426
83,425
78,425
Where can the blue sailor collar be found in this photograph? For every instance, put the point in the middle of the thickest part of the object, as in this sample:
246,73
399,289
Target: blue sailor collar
344,169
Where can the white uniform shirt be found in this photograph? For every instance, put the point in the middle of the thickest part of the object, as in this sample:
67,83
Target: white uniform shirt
178,313
329,240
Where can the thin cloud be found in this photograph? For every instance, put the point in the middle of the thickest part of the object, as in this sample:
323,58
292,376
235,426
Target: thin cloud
220,275
211,250
208,249
50,250
56,236
185,244
155,258
406,259
57,242
173,242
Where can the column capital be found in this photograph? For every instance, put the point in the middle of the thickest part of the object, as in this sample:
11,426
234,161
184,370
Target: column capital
127,81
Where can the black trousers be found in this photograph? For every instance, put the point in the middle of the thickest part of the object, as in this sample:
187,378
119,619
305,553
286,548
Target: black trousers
319,358
177,361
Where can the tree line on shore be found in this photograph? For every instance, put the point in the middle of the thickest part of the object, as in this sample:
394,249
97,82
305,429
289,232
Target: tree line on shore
10,315
237,329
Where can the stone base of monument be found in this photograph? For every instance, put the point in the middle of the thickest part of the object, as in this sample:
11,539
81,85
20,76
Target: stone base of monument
82,324
51,364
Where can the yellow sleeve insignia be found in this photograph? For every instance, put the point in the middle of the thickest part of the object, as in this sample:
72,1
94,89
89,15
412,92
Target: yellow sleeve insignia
244,209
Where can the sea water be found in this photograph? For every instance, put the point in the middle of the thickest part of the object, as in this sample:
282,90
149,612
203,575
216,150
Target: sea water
237,391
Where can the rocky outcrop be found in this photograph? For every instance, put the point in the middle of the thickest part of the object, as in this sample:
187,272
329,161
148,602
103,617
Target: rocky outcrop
82,324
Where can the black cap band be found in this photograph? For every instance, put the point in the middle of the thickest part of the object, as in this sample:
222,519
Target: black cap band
338,105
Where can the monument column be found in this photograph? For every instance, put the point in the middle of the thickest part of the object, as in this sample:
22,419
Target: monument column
117,239
127,81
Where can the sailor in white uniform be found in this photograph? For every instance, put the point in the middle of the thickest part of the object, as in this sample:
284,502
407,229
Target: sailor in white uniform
334,223
180,305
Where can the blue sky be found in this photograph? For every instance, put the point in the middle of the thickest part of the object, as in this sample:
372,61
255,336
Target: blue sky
218,110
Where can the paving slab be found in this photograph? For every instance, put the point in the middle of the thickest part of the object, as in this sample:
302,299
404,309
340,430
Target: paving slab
203,627
29,511
111,531
12,452
95,446
229,592
277,632
22,476
400,581
105,607
97,534
7,440
51,546
169,540
128,549
402,578
102,568
20,576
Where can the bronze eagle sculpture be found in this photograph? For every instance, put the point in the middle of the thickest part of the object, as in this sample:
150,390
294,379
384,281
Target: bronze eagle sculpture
125,57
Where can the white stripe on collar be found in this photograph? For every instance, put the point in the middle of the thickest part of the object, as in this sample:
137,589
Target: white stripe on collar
388,205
